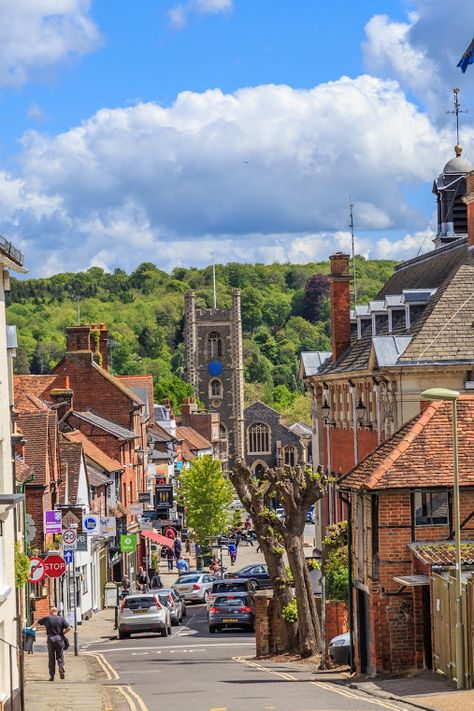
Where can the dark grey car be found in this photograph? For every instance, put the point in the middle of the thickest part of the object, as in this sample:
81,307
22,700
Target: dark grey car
232,611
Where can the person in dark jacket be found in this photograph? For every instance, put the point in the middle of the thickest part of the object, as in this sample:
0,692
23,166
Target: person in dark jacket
177,548
56,627
155,581
170,557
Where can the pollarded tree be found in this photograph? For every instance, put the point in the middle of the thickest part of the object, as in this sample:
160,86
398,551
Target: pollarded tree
206,495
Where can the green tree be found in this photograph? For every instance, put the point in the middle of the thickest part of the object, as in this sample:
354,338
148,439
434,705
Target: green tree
206,495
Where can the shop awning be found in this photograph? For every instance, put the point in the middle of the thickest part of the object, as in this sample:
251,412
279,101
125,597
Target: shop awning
157,538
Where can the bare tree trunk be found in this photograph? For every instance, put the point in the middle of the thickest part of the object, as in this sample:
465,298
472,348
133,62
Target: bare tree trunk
305,603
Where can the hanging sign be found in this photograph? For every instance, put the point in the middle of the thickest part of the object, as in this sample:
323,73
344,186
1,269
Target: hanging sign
91,523
128,542
108,526
53,522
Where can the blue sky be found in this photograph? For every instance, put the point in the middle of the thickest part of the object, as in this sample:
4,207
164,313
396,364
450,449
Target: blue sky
163,131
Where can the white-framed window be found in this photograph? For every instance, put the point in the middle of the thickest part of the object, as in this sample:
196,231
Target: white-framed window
214,345
215,388
290,456
259,438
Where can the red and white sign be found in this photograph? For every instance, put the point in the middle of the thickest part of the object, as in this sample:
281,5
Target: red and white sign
69,536
54,565
37,570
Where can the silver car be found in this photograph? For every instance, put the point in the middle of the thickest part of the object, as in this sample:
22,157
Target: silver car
143,612
175,604
194,587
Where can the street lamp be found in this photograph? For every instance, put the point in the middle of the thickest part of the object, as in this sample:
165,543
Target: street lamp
452,396
360,410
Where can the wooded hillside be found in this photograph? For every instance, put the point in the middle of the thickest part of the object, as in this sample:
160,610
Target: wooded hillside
284,309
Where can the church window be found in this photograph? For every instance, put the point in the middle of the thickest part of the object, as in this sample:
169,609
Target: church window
289,456
215,387
223,431
259,438
214,345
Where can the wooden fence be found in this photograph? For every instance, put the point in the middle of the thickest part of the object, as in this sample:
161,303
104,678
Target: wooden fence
444,627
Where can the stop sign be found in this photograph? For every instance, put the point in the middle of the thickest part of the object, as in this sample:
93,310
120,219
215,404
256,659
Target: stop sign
55,565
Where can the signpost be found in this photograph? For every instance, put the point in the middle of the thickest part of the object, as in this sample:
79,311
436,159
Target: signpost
37,570
91,523
54,565
70,537
53,522
128,542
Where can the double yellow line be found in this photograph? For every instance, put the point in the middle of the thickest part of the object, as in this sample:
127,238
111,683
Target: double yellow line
341,690
134,701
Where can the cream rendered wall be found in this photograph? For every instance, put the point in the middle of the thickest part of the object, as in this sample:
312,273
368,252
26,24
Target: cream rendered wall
7,539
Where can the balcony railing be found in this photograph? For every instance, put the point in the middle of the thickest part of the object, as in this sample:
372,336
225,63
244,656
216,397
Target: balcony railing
9,250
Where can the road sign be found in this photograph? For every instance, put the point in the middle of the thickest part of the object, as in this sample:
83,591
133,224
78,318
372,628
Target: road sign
68,555
69,537
90,523
128,542
54,565
108,526
37,570
52,522
82,542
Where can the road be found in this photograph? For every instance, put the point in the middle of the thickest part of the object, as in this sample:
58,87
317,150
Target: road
195,671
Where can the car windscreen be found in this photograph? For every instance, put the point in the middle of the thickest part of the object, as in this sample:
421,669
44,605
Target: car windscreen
231,601
139,603
184,579
221,587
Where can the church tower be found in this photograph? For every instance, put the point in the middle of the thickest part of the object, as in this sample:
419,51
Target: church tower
214,364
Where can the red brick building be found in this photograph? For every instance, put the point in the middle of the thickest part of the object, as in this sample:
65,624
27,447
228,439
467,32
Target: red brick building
402,526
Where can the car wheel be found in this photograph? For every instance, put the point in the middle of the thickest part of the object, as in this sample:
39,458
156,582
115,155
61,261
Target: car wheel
164,632
255,583
212,629
184,613
175,622
169,629
206,596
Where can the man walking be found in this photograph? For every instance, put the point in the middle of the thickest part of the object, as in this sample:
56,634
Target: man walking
56,627
177,548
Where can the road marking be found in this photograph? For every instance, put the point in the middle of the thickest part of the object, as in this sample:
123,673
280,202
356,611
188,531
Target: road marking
209,645
342,691
128,698
139,699
218,708
110,672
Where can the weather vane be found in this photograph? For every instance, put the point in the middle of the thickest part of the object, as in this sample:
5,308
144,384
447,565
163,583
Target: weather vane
457,111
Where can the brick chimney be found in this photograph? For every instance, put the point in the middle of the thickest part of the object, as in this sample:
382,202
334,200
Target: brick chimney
78,338
340,304
469,200
62,398
188,407
103,345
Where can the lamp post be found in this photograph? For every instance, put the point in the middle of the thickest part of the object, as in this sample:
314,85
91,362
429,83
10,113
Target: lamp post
452,396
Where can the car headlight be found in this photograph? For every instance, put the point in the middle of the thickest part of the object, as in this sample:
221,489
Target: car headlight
338,643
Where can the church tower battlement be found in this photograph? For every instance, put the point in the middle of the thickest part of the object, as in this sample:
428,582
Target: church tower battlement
214,364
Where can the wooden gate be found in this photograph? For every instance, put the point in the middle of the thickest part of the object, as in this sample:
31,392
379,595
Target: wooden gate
444,627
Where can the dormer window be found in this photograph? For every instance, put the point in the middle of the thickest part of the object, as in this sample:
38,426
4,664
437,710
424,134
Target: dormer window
396,320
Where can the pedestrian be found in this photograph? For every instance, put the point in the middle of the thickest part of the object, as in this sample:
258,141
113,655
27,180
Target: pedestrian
56,627
142,579
238,536
182,566
155,580
126,585
170,557
248,524
177,548
232,552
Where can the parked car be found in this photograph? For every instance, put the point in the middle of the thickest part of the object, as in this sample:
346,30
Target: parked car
175,604
232,611
310,516
230,586
257,573
141,612
195,587
339,648
280,512
236,504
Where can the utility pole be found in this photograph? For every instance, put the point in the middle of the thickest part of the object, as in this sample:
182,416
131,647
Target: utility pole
351,226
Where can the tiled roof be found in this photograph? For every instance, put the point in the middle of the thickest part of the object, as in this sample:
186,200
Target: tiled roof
420,454
93,452
194,440
29,391
34,426
442,554
106,425
141,385
71,457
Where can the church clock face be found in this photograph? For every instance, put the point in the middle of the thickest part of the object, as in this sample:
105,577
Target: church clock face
215,368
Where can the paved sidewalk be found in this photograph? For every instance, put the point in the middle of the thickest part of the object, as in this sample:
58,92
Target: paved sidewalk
426,690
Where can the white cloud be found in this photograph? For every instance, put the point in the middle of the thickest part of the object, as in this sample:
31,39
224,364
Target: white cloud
179,14
39,34
264,173
422,53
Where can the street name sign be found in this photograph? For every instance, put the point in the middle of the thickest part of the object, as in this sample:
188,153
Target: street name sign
37,570
54,565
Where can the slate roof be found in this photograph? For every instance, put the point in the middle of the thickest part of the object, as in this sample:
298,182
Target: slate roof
96,476
106,425
142,386
420,454
193,439
442,555
93,452
311,361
